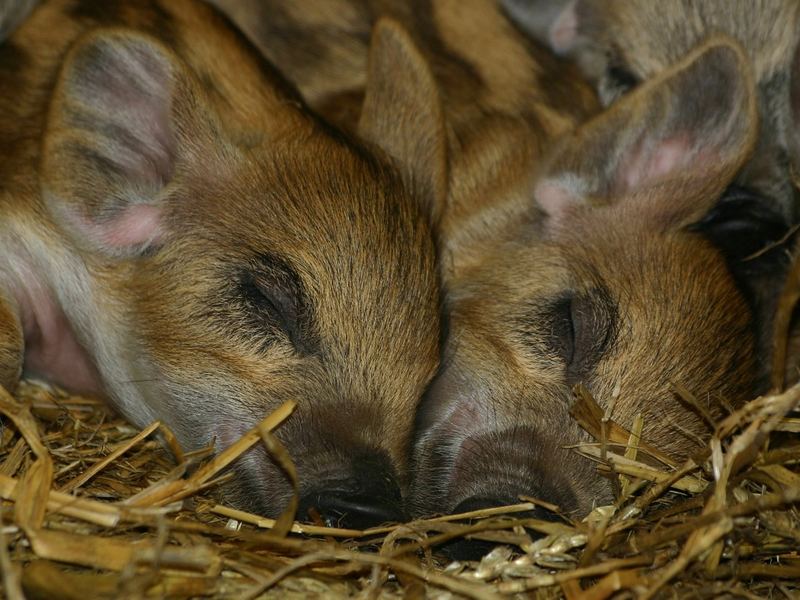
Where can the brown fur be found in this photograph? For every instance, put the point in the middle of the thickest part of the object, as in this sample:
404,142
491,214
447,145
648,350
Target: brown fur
504,98
212,246
390,48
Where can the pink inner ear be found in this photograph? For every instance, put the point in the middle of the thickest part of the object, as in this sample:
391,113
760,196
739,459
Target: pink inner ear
138,225
646,167
564,30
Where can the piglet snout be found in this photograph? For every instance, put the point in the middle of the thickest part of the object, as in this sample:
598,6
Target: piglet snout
368,497
343,508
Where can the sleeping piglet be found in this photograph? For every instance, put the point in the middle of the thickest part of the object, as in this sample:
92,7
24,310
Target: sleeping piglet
608,277
180,234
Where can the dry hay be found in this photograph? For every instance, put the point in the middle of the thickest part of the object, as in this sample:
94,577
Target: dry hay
93,508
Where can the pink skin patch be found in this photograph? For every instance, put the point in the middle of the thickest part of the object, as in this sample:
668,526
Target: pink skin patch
51,349
561,200
647,167
555,199
564,30
135,227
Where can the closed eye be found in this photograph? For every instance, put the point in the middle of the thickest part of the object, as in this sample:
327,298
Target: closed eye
576,328
276,303
560,336
271,304
594,321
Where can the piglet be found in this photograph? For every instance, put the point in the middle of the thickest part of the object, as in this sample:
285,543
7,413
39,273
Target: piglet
607,277
180,234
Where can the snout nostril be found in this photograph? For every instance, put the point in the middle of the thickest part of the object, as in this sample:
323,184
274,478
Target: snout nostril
352,510
366,494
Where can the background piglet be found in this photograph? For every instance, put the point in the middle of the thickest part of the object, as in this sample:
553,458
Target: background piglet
609,278
180,233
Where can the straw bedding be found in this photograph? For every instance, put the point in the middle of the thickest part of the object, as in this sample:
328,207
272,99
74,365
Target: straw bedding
93,508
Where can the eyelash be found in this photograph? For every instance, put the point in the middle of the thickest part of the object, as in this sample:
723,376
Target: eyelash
275,305
259,296
579,328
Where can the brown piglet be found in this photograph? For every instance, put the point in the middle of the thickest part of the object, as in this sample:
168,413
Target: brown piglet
608,277
182,235
612,263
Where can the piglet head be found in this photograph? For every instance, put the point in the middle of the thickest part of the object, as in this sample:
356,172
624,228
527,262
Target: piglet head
240,253
617,287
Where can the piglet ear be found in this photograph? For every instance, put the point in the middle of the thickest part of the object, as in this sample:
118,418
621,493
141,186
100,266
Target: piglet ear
403,115
110,144
686,132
